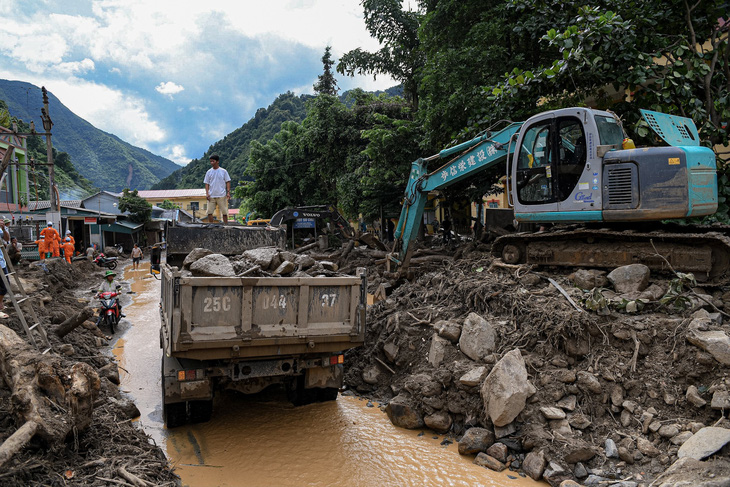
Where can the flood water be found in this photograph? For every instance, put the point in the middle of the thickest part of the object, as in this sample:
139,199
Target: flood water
262,440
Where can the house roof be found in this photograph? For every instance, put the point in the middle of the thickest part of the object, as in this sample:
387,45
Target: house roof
172,193
46,204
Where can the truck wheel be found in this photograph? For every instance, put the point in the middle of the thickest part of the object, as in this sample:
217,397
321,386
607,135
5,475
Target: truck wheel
174,414
201,411
298,395
327,394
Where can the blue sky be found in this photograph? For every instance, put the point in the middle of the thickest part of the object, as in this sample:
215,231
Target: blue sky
175,76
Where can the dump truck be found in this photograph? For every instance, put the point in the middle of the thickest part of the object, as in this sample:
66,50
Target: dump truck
248,333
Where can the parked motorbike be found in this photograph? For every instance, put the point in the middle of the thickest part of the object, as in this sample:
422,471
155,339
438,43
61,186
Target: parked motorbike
109,311
104,261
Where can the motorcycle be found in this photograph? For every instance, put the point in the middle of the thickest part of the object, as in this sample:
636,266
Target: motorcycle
109,312
104,261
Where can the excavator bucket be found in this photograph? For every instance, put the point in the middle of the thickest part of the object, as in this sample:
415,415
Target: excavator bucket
674,130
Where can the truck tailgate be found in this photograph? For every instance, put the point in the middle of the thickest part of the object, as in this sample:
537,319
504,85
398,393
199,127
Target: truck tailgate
216,317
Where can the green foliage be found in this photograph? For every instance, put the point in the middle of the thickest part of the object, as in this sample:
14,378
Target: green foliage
326,83
676,295
140,211
234,148
168,205
400,57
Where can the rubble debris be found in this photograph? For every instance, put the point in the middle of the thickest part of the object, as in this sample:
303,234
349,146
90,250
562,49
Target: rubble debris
611,393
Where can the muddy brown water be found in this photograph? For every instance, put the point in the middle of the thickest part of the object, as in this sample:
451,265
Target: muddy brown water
262,440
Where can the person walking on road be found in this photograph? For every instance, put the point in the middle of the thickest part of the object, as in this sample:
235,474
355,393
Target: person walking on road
217,189
136,256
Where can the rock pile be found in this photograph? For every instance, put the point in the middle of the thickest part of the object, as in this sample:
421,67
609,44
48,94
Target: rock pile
500,359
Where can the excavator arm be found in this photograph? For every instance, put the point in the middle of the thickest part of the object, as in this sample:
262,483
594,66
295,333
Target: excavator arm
469,159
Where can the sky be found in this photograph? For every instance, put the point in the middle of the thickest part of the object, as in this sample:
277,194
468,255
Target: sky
176,76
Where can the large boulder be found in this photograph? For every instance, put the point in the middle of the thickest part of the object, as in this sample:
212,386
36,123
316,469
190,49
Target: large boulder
590,278
264,257
437,353
401,413
478,337
476,440
704,443
630,278
195,255
215,265
506,389
716,342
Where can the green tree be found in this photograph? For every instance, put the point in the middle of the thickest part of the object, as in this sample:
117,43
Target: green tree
168,205
400,57
326,82
140,211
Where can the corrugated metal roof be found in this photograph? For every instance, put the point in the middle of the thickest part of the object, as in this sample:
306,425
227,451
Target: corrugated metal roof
172,193
42,205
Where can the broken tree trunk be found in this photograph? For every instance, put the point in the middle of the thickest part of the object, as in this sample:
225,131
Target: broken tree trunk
70,324
49,398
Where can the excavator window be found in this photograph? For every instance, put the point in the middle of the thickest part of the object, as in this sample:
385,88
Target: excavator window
551,160
572,155
535,165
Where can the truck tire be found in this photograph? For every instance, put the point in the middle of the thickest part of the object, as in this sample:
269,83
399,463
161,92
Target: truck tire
327,394
174,414
201,411
298,395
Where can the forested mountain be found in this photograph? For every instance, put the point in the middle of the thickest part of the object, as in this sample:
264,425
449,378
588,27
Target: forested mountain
107,161
233,149
70,183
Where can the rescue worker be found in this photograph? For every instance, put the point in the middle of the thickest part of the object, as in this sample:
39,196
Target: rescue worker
53,240
73,240
68,249
42,247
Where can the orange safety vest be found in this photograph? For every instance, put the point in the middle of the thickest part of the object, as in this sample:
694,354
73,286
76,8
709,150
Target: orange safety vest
68,251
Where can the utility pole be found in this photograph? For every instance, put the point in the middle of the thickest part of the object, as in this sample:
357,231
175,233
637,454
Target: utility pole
47,124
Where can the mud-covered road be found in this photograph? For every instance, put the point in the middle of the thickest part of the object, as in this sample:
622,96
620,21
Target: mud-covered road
263,441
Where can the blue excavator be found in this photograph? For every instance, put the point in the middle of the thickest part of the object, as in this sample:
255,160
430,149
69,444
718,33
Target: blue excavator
577,166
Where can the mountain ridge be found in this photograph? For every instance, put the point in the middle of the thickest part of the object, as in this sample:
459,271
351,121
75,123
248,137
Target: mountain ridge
106,160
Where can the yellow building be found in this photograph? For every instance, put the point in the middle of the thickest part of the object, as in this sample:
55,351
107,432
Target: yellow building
190,200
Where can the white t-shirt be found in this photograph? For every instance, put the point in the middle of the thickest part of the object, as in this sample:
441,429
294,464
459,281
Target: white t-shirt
217,179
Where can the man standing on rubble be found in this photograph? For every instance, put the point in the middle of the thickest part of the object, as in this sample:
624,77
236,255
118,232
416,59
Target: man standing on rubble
217,189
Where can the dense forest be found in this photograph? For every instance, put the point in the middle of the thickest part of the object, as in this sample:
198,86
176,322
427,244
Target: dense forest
233,149
104,159
71,184
465,64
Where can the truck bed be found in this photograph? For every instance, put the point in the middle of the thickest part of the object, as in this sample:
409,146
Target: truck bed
226,318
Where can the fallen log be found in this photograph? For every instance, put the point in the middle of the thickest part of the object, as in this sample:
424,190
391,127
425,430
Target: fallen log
49,398
70,324
305,248
346,251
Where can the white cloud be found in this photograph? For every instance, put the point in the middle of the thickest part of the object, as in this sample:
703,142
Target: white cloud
110,110
75,68
169,88
176,153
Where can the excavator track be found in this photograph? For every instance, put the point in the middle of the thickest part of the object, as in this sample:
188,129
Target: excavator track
705,254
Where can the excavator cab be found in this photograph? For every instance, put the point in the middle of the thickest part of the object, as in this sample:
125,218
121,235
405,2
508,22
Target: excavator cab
556,174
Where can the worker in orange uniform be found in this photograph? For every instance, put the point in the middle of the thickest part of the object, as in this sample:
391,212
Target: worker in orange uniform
73,240
42,247
53,239
68,249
